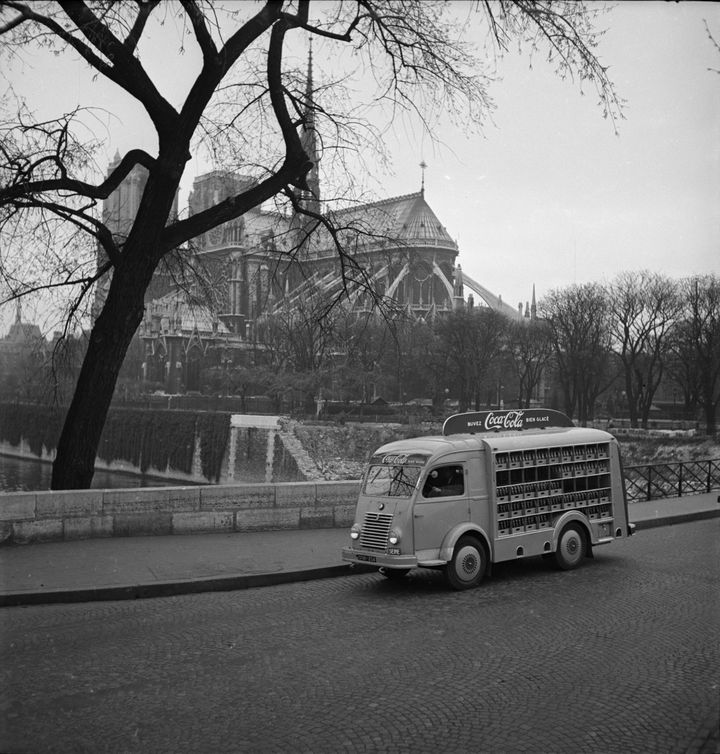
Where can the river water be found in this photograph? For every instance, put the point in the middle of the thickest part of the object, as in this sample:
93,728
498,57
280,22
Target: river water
18,474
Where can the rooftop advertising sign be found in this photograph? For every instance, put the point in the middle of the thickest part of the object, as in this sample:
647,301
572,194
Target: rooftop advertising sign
496,421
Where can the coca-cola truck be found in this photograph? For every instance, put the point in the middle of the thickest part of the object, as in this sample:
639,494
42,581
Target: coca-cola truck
496,486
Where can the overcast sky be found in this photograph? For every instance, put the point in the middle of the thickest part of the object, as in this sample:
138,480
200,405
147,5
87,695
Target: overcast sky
552,196
549,194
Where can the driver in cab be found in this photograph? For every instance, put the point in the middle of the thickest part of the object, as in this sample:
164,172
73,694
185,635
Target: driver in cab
445,481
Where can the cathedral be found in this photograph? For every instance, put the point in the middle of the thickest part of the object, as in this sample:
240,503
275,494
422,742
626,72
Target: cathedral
267,260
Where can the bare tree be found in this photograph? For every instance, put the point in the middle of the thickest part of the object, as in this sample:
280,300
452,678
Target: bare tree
682,365
529,349
246,92
578,317
472,342
298,341
360,341
645,307
697,340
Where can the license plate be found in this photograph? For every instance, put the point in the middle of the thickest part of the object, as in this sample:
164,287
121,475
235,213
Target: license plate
366,558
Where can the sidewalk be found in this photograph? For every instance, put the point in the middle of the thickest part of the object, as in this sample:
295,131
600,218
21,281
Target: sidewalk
135,567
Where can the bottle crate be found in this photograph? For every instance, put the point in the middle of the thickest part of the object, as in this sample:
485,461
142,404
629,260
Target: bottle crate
544,521
517,526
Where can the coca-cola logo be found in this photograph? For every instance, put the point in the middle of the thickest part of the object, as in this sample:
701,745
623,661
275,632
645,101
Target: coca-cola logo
396,459
504,420
401,459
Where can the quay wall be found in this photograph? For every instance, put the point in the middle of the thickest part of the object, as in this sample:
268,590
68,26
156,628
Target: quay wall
32,517
184,447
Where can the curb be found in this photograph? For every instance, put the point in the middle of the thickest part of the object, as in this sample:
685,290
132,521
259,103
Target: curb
171,588
247,581
675,518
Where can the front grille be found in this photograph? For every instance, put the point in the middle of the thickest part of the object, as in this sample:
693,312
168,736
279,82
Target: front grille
375,531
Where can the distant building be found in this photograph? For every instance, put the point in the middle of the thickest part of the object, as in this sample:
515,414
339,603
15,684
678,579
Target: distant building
264,261
23,351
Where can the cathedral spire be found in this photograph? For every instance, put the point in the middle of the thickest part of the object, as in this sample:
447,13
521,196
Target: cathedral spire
533,305
310,114
311,199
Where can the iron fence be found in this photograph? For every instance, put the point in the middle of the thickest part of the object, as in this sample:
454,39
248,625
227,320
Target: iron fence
661,480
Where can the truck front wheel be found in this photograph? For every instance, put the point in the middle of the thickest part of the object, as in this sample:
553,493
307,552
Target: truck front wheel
468,565
571,547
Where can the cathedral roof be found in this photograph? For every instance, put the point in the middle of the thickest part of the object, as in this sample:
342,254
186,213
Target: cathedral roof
183,315
407,218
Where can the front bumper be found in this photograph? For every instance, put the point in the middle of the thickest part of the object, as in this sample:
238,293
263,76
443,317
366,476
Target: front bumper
367,557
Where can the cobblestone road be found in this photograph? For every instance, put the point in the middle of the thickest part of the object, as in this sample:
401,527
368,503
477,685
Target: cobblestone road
618,656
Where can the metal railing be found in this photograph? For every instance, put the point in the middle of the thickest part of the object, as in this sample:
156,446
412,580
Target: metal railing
661,480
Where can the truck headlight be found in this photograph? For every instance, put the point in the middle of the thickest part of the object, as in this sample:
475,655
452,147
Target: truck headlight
394,536
355,530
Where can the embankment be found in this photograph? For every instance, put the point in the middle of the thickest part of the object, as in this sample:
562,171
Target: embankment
28,517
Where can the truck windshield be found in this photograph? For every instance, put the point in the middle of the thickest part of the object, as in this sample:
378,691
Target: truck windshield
391,481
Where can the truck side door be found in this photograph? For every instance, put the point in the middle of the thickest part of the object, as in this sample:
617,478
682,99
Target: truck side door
441,504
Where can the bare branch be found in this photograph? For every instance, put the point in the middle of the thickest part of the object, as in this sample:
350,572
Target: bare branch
197,18
715,44
145,9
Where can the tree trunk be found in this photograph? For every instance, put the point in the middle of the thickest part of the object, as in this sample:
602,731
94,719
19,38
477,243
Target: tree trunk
110,338
710,420
709,404
631,399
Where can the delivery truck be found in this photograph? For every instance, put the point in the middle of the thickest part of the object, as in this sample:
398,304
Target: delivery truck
495,486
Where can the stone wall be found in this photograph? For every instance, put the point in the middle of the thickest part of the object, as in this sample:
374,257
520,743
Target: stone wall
27,517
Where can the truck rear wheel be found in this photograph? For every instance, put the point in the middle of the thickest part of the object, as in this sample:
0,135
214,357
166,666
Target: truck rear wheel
468,565
571,547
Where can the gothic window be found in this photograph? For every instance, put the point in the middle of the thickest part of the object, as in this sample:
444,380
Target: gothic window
422,278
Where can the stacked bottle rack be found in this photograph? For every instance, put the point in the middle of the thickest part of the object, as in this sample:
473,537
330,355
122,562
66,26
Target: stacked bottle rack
533,486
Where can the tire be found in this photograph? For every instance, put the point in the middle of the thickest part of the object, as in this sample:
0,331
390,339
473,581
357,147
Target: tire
572,547
394,574
468,565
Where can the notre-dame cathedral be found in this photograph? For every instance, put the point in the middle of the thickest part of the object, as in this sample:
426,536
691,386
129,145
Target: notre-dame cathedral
265,260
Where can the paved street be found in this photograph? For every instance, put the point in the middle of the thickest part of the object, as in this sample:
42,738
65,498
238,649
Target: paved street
619,656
